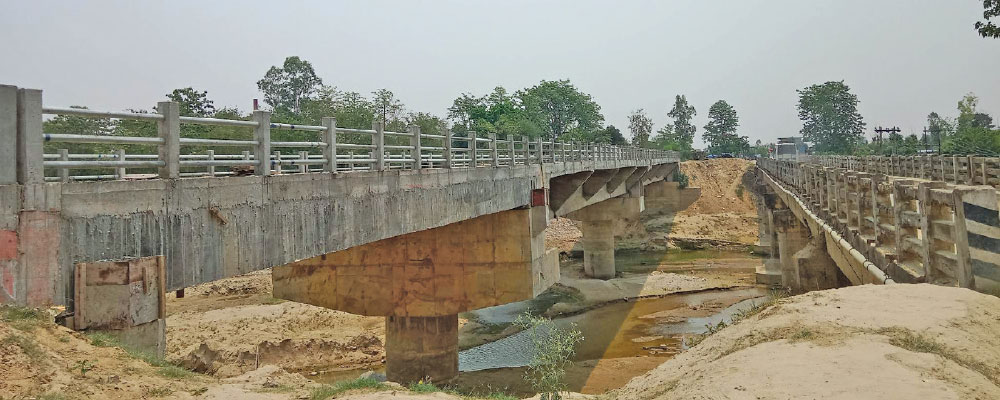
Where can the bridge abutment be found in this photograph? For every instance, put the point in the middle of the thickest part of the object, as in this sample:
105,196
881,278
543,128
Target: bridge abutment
598,227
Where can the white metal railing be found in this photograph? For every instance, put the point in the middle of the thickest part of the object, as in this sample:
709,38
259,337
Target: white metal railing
337,149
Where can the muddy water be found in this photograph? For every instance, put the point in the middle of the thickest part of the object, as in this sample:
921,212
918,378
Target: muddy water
624,329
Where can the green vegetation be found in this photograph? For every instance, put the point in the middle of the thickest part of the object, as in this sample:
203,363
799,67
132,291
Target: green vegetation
326,391
23,318
679,135
681,178
423,387
829,113
986,27
909,340
552,349
720,132
164,368
84,366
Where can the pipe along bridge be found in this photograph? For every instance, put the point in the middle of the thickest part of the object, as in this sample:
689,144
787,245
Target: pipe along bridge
832,221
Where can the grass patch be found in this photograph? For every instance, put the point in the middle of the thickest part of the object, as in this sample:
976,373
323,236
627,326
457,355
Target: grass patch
272,301
28,346
906,339
53,396
423,387
164,368
325,391
802,334
275,389
23,318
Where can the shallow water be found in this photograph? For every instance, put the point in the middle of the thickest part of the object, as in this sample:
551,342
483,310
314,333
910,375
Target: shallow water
619,330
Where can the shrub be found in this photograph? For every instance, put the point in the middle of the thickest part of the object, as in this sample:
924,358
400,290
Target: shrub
552,349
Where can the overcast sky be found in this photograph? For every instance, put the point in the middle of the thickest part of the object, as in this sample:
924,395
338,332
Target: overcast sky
903,58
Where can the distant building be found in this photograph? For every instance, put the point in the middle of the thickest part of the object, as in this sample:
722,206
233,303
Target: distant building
790,148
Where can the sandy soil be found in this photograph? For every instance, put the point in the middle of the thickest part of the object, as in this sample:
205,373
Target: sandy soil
49,360
862,342
233,326
723,211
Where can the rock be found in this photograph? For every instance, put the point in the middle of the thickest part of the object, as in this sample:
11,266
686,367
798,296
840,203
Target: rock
375,376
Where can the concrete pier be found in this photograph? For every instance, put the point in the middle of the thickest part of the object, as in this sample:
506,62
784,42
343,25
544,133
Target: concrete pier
421,348
598,248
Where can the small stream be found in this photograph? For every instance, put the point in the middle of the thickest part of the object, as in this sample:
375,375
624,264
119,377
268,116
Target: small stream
624,329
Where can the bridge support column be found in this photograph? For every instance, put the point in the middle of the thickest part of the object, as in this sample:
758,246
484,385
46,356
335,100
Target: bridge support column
420,281
768,273
598,226
598,248
419,348
805,263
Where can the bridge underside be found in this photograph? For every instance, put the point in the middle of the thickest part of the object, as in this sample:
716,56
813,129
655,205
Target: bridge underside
420,281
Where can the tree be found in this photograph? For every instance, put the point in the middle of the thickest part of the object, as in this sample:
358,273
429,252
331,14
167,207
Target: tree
682,130
192,103
613,135
354,111
558,108
830,117
987,28
388,108
429,124
641,127
287,86
720,132
974,132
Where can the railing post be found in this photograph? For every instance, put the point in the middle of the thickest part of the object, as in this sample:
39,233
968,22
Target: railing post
29,137
304,157
525,150
277,162
472,145
447,148
541,150
8,135
513,153
63,172
415,142
169,129
330,137
211,157
379,140
494,154
262,134
120,171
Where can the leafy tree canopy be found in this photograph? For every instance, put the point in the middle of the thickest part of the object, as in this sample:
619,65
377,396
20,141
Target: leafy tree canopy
192,103
720,132
288,86
829,113
641,127
559,108
986,27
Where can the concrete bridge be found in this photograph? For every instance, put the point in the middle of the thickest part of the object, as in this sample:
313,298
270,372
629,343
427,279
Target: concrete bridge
412,226
833,221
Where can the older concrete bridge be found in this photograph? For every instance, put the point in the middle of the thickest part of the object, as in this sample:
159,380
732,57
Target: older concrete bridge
833,221
407,225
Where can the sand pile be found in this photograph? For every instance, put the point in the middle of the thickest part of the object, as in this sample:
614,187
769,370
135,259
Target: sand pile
862,342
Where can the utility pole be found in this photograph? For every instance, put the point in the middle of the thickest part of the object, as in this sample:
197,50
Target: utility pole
934,131
882,130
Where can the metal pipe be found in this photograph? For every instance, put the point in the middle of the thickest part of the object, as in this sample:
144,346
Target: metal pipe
216,163
217,122
74,138
298,144
103,164
217,142
82,112
294,127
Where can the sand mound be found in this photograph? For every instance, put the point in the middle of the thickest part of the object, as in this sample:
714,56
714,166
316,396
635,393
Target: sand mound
231,341
724,211
885,342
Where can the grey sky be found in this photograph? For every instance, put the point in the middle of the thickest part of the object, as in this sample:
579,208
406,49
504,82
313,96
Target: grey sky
903,58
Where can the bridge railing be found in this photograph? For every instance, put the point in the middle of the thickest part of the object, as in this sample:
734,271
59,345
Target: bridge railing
961,170
170,151
931,230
